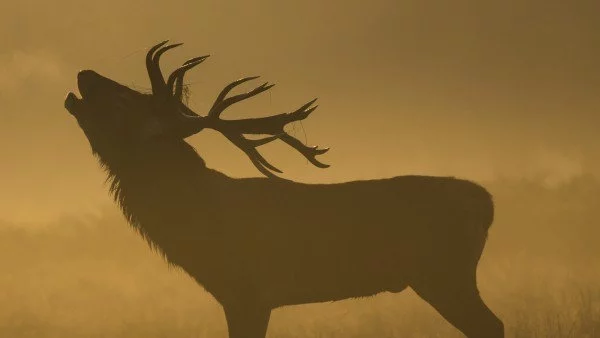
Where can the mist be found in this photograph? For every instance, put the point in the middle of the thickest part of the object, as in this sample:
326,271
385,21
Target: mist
504,93
474,89
536,271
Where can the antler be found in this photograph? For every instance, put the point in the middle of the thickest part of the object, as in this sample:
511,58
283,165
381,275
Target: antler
234,130
184,122
175,82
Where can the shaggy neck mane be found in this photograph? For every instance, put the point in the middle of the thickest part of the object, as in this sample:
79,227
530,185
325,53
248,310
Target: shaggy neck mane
158,187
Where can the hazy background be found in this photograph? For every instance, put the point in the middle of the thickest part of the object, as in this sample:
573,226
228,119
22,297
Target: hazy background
479,89
506,93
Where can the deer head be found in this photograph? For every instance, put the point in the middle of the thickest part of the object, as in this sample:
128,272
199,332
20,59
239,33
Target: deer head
118,120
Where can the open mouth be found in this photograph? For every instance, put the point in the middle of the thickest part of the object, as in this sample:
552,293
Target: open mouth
85,79
72,103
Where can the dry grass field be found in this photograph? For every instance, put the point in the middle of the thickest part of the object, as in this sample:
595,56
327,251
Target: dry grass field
91,276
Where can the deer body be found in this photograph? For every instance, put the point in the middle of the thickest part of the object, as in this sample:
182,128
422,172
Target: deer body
260,243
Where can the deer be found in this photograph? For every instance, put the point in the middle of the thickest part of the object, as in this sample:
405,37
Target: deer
260,243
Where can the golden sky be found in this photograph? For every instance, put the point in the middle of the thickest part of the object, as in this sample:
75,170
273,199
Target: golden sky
478,89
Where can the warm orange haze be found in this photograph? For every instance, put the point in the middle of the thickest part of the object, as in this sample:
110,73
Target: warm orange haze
257,244
503,94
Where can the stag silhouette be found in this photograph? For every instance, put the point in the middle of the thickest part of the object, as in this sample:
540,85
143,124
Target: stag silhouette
257,244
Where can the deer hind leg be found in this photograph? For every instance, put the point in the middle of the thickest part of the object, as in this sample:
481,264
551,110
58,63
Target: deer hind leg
246,321
457,299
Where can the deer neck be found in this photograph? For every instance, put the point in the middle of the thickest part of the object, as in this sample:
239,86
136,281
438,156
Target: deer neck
165,191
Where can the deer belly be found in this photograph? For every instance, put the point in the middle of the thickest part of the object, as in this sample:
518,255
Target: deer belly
331,280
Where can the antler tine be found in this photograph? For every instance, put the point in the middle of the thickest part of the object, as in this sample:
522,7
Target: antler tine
232,85
237,98
263,169
303,112
178,95
221,103
198,58
179,73
162,50
179,82
249,148
156,80
262,141
159,87
309,152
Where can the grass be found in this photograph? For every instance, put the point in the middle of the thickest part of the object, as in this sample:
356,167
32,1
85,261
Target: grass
97,294
96,278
